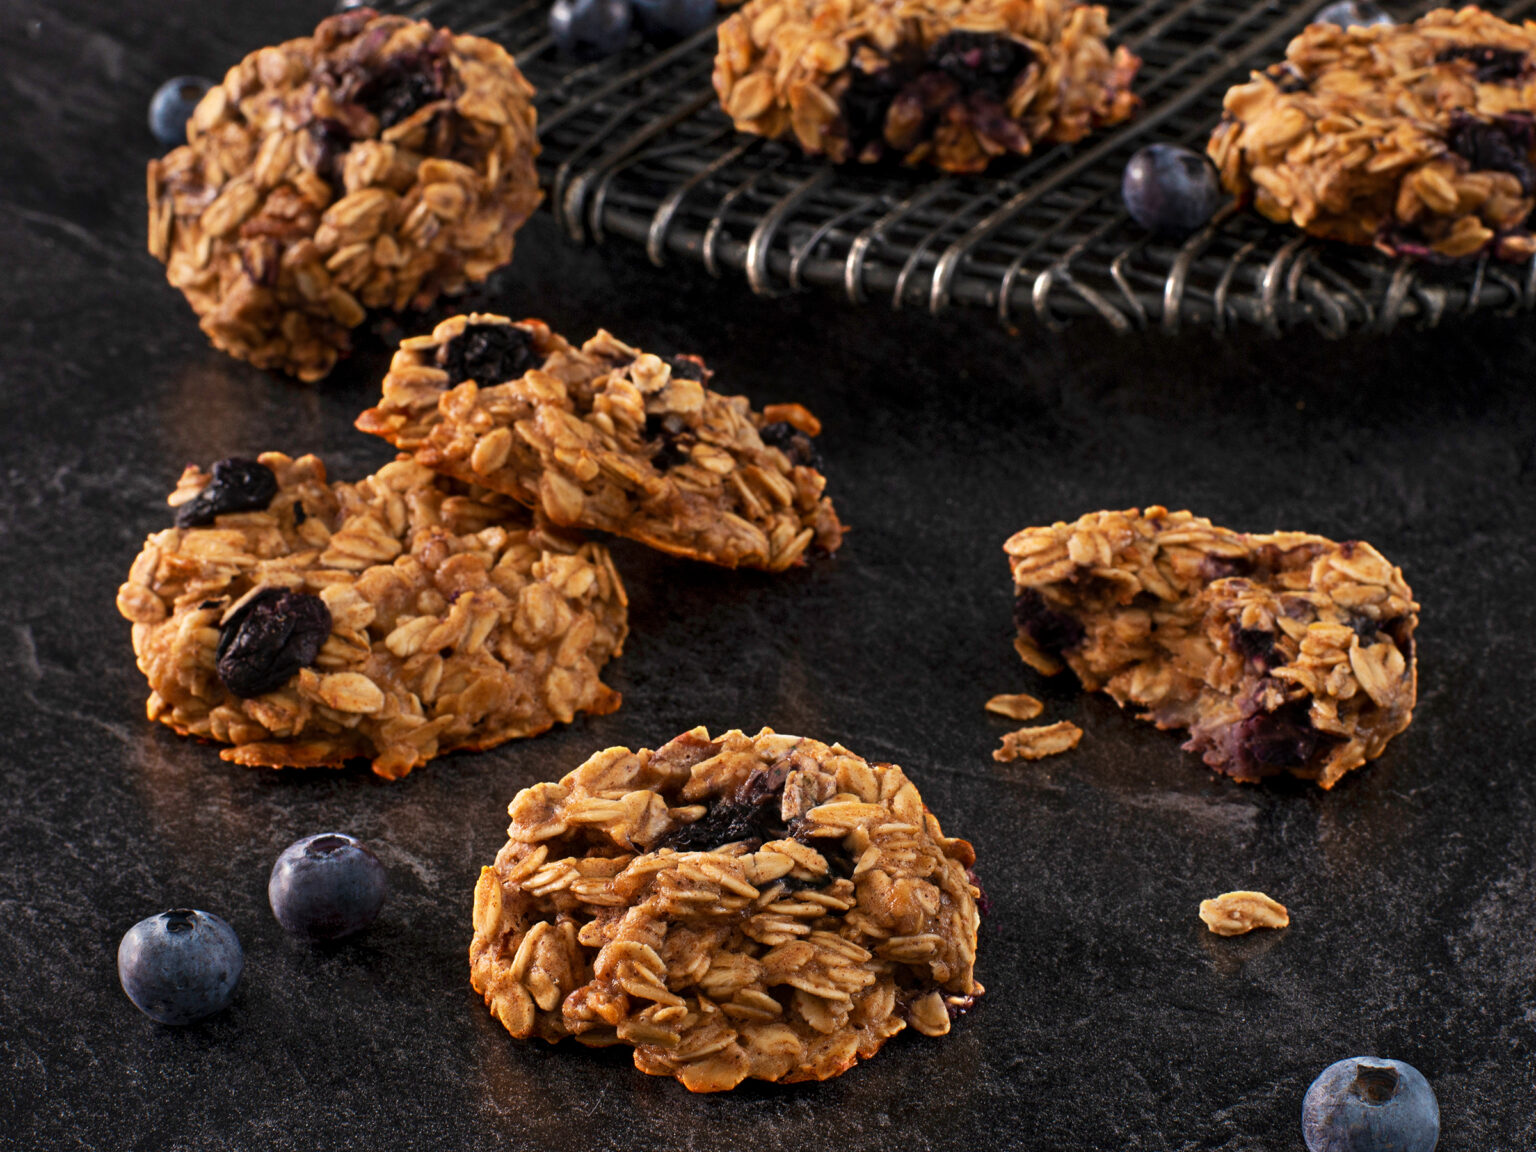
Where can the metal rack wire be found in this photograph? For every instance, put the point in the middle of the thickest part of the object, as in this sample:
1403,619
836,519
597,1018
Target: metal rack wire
636,149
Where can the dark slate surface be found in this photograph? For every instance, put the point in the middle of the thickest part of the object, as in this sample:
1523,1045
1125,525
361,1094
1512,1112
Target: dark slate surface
1112,1021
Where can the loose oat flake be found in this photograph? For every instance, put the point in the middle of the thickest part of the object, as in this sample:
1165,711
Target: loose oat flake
1234,913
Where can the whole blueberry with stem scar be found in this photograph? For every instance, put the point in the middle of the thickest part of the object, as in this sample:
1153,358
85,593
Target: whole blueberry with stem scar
1365,1104
181,965
1170,190
327,886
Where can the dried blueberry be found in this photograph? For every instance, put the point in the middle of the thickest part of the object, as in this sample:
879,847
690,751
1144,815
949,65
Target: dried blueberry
1170,190
981,61
180,966
1256,645
238,485
866,100
792,442
328,140
1494,65
274,634
1353,14
172,106
671,434
1284,738
402,86
752,813
489,354
1365,1104
1504,145
687,367
1049,630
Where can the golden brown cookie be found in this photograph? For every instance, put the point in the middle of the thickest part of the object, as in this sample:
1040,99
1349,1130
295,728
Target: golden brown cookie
952,83
379,163
608,437
1416,138
1283,652
405,615
749,906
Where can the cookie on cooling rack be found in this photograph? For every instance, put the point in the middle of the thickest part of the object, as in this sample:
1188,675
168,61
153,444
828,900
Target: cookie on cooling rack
1283,652
306,623
749,906
1417,138
379,163
952,83
607,437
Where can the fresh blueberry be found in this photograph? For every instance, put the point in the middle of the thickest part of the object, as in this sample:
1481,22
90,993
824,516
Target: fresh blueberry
665,21
327,886
1368,1105
1170,190
181,965
172,107
1353,13
590,29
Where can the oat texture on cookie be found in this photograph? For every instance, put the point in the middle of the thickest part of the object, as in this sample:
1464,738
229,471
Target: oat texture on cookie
1284,652
608,437
743,906
952,83
379,163
1417,138
306,623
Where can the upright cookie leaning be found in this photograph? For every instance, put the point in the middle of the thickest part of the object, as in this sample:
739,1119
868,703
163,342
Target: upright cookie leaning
762,906
379,163
953,83
306,623
1283,652
1416,138
611,438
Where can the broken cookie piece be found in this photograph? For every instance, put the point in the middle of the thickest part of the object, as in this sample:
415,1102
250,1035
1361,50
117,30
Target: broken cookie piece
743,906
1284,652
306,623
611,438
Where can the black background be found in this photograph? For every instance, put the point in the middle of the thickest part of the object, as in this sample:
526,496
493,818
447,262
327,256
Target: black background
1112,1019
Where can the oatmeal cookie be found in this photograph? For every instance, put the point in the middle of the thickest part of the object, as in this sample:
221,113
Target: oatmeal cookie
1416,137
1282,652
379,163
952,83
402,616
760,906
605,436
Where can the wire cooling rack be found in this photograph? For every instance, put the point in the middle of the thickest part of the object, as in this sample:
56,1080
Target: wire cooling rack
636,150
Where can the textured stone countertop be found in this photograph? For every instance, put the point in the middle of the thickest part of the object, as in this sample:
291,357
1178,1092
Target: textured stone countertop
1112,1019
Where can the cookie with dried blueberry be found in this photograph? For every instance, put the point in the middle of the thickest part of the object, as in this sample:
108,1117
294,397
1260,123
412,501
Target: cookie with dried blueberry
1284,652
1416,138
608,437
380,163
952,83
307,623
743,906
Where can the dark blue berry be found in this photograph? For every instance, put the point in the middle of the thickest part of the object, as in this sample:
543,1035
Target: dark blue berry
1170,190
792,442
172,106
667,21
590,29
181,965
327,886
489,354
238,485
981,61
274,634
1353,14
1368,1105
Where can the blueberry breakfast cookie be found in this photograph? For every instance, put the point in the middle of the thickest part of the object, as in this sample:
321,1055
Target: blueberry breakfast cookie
1282,652
748,906
952,83
1416,138
379,163
607,437
396,618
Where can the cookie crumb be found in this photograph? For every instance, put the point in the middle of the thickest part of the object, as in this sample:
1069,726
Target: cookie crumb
1016,706
1039,742
1233,913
